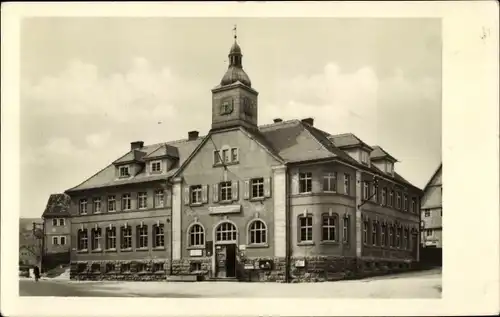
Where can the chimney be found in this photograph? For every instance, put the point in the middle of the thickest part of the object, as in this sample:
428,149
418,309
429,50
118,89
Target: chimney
278,120
136,145
193,135
309,121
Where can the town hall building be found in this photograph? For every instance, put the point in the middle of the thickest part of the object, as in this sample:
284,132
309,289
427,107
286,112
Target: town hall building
282,201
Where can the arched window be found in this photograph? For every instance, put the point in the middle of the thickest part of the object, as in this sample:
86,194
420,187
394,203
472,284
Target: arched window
196,235
258,232
226,231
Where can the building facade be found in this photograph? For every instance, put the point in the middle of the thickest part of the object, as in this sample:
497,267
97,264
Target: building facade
57,225
282,202
432,211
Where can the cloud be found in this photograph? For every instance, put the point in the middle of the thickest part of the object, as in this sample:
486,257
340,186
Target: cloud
81,90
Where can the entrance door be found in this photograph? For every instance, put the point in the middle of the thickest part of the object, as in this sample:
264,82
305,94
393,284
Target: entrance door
220,258
231,260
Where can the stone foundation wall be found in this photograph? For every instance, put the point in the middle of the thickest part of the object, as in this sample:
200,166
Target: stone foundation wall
186,267
320,269
277,272
140,270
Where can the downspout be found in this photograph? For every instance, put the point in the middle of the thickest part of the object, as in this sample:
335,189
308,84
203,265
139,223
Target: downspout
288,228
171,198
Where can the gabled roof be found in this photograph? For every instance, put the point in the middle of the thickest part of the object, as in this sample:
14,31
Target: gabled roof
290,141
107,176
57,206
347,140
438,170
379,153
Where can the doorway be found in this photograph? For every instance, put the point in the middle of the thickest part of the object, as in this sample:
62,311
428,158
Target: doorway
226,260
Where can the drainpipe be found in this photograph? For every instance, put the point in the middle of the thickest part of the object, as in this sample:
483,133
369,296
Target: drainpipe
169,220
288,227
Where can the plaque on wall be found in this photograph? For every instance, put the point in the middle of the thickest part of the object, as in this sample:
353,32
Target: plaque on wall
195,252
300,263
242,247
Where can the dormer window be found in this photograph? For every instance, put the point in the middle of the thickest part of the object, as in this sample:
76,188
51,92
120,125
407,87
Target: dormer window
364,157
124,171
156,167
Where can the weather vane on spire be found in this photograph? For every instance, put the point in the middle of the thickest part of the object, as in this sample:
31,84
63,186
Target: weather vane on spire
235,34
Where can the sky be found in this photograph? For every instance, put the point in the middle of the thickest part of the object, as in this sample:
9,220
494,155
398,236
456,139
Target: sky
90,86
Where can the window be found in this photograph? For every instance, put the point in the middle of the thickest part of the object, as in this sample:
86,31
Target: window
96,239
83,206
305,182
196,236
111,238
345,229
194,266
196,194
234,155
391,199
398,237
257,187
61,222
159,198
126,238
391,236
225,156
142,237
427,213
330,182
83,242
158,236
157,267
429,232
97,205
126,202
366,191
329,228
217,157
384,196
305,229
156,167
225,191
347,184
55,240
124,171
142,199
398,200
54,222
413,207
62,240
382,235
407,239
111,203
375,193
405,202
375,233
110,267
365,232
364,157
258,232
226,231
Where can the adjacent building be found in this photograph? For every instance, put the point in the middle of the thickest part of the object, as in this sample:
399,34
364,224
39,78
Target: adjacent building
432,211
283,201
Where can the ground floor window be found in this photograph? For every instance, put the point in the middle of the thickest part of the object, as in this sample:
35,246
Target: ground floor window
258,232
196,236
83,241
305,229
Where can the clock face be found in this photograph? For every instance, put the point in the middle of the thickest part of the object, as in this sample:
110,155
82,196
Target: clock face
226,107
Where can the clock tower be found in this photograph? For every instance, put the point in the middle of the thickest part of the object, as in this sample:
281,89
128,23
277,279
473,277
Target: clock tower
234,101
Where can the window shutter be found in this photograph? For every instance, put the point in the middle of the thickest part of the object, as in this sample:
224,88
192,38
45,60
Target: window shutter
186,195
167,198
204,194
295,183
267,187
246,194
235,190
216,192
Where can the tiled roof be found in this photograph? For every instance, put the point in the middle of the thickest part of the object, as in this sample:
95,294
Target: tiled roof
107,176
379,153
57,205
347,140
290,141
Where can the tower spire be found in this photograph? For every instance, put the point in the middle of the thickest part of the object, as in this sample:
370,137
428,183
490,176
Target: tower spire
235,33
